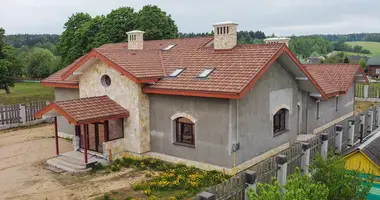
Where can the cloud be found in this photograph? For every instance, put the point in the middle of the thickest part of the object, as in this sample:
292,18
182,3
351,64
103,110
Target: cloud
282,17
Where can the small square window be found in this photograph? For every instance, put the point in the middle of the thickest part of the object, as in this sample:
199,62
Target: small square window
176,72
205,73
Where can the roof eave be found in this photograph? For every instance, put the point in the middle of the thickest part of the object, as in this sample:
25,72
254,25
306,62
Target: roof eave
224,95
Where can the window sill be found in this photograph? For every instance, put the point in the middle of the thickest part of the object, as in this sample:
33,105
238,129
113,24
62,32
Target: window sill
184,144
280,132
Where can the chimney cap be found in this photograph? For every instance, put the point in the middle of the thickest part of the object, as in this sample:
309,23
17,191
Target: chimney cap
135,31
225,23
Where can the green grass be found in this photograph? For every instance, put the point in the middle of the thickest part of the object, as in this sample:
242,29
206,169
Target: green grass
374,47
26,92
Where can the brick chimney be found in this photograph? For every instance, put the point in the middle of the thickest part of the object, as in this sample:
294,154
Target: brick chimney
135,40
225,35
277,40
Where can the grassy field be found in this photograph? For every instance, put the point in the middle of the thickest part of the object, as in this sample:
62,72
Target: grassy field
26,92
374,47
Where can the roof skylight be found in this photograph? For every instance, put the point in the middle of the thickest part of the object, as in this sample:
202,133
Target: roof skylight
205,73
169,47
176,72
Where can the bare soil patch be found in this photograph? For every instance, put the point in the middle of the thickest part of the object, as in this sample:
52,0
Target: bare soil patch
23,153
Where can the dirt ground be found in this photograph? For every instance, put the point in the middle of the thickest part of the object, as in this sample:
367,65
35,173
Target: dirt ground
23,153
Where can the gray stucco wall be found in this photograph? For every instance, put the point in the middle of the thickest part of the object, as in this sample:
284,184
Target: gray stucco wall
216,121
327,109
276,89
62,94
211,128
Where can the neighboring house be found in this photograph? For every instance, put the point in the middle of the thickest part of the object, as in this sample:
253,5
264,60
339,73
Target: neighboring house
356,59
374,66
208,101
313,60
365,157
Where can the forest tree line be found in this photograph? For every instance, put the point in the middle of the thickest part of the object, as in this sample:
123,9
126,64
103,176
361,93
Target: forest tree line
38,56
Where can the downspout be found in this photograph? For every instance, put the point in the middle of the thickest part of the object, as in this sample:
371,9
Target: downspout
307,111
237,120
237,133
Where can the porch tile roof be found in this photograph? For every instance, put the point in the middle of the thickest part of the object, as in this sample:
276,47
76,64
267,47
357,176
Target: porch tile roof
87,110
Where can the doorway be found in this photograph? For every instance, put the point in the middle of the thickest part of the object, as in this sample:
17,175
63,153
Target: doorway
95,136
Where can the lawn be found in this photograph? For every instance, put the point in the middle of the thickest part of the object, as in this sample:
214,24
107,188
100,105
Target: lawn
26,92
363,106
374,47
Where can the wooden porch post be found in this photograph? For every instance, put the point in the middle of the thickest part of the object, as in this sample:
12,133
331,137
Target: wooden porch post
56,136
85,142
105,130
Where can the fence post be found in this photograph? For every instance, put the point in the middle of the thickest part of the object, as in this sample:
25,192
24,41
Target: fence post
366,91
338,139
206,196
325,145
362,122
22,114
305,159
351,133
282,169
370,120
250,180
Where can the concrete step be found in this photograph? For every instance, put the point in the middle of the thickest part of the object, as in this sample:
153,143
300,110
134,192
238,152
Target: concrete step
68,164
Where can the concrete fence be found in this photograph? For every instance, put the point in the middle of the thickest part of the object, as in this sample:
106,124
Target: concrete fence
338,138
20,114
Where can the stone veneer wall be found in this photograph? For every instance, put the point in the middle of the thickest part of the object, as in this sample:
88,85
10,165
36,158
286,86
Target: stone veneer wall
129,95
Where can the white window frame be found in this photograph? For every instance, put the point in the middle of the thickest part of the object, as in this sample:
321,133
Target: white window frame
205,73
176,72
378,71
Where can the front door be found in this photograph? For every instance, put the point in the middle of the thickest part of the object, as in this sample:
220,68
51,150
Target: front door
95,136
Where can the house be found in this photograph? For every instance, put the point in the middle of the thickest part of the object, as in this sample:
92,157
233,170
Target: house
365,157
374,66
313,60
356,58
207,102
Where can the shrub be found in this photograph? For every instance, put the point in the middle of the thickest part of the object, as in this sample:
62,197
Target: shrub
148,192
148,174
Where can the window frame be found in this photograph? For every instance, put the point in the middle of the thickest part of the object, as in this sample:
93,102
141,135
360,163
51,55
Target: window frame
108,132
280,120
205,73
318,111
337,103
179,127
176,72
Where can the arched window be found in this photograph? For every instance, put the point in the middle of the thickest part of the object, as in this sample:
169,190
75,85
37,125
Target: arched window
184,131
279,121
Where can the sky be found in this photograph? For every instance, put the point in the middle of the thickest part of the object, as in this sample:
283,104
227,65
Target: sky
281,17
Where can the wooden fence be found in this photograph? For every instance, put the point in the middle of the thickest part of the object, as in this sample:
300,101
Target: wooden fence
19,114
371,90
267,169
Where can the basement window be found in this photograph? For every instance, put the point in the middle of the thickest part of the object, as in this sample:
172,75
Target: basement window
169,47
205,73
176,72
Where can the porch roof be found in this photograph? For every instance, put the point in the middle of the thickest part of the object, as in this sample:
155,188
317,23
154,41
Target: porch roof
85,110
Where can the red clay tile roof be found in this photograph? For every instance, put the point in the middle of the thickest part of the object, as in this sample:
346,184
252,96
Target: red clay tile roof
87,110
333,78
56,77
235,70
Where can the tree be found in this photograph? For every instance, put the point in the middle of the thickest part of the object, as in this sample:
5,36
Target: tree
115,26
156,23
40,63
2,43
342,185
346,60
363,64
85,37
66,46
10,68
298,187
